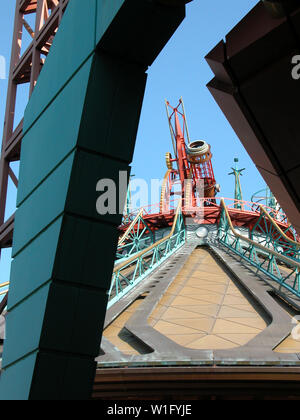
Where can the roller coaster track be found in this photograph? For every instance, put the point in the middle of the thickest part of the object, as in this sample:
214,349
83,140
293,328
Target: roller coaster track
133,270
292,244
259,256
132,224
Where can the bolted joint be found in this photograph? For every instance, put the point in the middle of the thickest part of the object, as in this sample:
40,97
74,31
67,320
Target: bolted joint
280,8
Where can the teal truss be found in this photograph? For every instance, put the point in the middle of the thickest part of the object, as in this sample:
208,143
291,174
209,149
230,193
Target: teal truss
132,271
137,237
276,266
265,197
267,233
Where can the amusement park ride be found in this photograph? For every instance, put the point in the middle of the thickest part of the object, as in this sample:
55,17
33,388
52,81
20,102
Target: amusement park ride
234,232
192,170
202,290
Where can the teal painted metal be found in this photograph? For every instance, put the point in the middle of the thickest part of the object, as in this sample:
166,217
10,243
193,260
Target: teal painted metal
262,258
265,197
238,194
138,237
126,276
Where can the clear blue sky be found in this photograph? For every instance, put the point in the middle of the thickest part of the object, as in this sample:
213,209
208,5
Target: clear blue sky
180,70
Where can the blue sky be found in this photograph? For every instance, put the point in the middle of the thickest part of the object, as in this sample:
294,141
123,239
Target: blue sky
180,70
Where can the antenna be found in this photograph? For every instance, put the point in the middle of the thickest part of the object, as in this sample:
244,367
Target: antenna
238,194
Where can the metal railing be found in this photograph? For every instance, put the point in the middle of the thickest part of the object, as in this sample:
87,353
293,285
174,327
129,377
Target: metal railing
277,267
132,271
136,237
267,232
231,203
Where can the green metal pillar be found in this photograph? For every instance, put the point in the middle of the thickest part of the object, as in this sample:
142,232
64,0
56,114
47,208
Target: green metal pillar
238,194
128,205
80,126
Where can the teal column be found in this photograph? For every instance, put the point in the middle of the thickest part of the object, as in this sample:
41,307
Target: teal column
79,127
238,194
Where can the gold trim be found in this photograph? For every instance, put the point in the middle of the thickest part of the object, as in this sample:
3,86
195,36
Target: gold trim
278,228
168,161
122,239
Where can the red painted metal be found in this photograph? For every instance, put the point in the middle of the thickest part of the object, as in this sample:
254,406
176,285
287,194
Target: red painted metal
24,70
204,171
178,134
209,213
190,169
183,166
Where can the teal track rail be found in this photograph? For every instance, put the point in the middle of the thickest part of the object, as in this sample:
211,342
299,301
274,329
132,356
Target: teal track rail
128,274
278,267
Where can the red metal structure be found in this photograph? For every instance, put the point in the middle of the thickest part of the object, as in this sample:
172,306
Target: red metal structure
178,138
194,167
199,156
25,66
